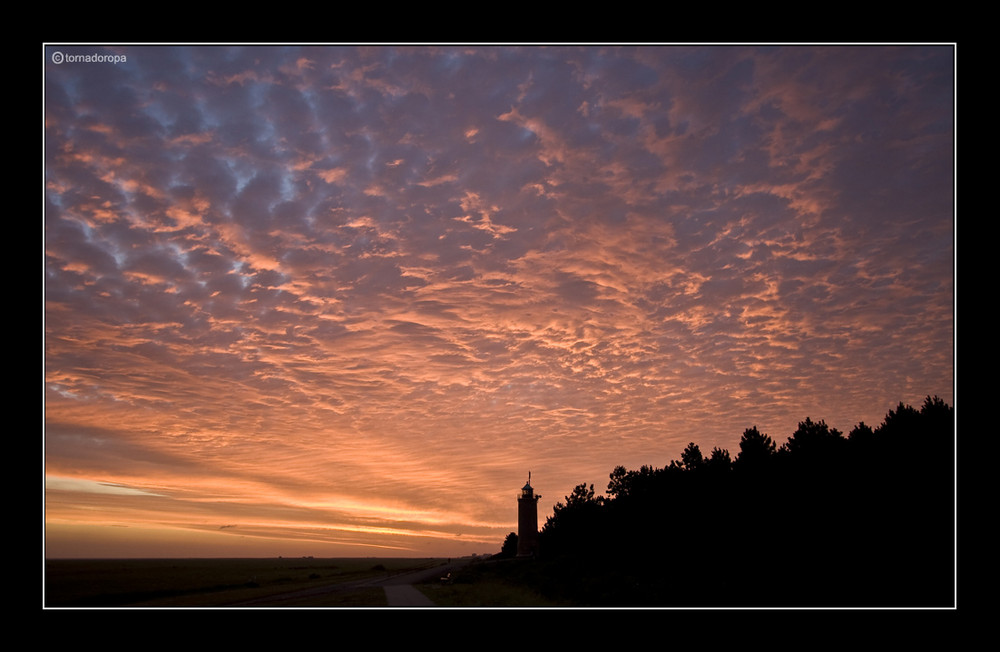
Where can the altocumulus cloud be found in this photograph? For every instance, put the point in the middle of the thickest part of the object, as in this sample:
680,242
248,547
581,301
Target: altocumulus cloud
321,288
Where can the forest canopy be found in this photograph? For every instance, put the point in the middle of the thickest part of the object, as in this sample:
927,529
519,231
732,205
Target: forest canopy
823,519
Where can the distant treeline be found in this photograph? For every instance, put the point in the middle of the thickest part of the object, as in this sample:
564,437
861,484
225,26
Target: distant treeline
823,519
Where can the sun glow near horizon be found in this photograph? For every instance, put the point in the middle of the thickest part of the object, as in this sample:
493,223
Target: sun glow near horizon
328,300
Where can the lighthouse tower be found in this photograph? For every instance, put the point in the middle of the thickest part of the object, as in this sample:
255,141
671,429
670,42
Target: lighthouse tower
527,520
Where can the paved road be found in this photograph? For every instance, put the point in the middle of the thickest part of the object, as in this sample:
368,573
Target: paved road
406,595
399,589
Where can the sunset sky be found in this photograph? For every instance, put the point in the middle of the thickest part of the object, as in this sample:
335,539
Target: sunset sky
339,301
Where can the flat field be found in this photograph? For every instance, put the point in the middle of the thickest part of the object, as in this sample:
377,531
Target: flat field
165,583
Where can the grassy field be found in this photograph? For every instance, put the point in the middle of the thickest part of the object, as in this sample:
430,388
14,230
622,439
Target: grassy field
168,583
487,592
280,582
496,583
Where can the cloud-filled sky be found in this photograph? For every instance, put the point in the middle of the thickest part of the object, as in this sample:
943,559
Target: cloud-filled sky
340,300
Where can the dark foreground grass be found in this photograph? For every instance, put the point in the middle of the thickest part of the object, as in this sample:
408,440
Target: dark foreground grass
218,582
331,583
495,583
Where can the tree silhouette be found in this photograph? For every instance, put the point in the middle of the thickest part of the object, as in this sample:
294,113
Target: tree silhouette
862,434
899,423
633,484
582,498
719,461
574,526
755,449
509,548
824,520
937,408
938,419
620,482
691,458
814,440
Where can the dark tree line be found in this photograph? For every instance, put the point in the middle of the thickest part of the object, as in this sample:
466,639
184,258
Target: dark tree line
824,519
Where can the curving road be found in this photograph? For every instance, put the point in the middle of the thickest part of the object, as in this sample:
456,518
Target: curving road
399,589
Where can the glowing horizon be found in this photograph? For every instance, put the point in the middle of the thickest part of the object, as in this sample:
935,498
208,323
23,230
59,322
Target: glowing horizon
326,300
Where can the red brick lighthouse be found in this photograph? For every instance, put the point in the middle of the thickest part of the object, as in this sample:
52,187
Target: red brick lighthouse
527,520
